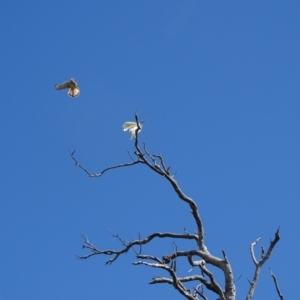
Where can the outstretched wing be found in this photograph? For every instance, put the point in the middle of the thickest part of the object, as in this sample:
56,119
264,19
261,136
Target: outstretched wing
132,128
62,86
129,125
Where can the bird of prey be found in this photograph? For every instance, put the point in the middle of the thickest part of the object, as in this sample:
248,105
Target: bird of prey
132,127
71,85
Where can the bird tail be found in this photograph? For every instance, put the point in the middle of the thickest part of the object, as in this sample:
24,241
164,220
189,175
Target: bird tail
74,92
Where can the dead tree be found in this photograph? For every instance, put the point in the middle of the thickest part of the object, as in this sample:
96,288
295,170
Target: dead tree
198,256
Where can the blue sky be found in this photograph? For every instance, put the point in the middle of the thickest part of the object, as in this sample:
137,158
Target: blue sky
217,83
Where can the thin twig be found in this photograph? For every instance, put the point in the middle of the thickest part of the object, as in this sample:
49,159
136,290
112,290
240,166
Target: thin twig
77,164
276,285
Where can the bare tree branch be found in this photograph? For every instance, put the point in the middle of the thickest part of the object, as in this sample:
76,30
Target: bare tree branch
259,264
276,285
150,257
252,250
77,164
199,293
207,284
175,280
163,172
182,279
156,163
213,285
158,167
129,245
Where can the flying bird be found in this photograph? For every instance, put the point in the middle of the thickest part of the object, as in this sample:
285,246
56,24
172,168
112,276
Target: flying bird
71,85
132,127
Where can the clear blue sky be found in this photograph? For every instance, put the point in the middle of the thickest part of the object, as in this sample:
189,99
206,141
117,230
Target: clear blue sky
217,83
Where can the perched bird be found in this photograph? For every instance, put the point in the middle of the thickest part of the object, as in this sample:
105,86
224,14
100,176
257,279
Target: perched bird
71,85
132,127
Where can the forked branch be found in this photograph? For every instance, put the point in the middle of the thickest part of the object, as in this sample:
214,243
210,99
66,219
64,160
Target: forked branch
259,264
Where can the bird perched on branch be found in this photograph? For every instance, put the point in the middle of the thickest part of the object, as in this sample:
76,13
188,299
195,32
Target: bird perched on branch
71,85
132,127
